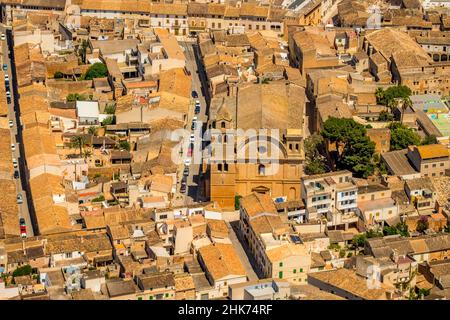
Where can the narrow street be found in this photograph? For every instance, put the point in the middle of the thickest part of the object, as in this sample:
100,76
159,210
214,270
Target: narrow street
193,65
249,270
16,132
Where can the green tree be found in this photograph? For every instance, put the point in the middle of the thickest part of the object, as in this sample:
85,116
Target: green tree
237,201
315,162
87,154
354,148
388,97
405,103
75,97
385,116
78,142
359,240
109,120
390,230
447,228
422,224
58,75
125,145
402,136
373,234
22,271
110,108
431,139
93,130
97,70
82,49
400,228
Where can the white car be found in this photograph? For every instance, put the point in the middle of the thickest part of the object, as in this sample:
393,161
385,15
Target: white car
14,163
6,77
3,37
8,94
13,147
192,138
197,102
11,123
187,162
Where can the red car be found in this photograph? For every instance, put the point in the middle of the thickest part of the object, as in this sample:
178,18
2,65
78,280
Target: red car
23,228
191,147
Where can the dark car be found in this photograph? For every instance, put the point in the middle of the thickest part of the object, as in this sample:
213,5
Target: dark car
22,221
194,125
16,174
8,100
197,109
194,94
5,67
186,171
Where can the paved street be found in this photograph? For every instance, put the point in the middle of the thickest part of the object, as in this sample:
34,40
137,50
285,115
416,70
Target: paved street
241,251
16,132
194,190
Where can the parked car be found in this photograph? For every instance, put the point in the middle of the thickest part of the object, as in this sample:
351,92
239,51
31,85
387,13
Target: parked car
6,78
186,171
23,228
189,153
183,188
13,147
3,37
5,67
11,123
192,138
8,100
19,199
16,174
188,161
14,163
197,109
194,94
194,125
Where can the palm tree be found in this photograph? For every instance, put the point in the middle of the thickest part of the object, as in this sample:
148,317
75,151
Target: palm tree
391,104
92,130
87,154
406,103
379,93
78,142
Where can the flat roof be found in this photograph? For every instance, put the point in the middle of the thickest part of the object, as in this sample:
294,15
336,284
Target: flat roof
87,109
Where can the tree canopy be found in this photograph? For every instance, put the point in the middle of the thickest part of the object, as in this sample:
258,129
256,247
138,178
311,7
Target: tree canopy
400,228
354,148
402,136
315,162
387,97
76,97
430,140
22,271
385,116
97,70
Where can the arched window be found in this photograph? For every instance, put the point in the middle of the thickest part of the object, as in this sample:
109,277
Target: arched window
222,124
262,170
